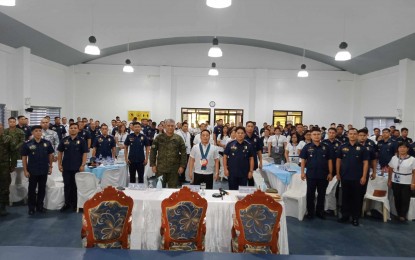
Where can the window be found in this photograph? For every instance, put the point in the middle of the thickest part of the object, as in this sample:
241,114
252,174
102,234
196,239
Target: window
40,112
378,122
230,116
284,117
195,116
2,113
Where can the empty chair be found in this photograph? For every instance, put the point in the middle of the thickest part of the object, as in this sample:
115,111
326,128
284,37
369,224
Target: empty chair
87,185
106,221
18,187
55,196
256,224
112,177
295,197
331,202
378,184
411,211
183,224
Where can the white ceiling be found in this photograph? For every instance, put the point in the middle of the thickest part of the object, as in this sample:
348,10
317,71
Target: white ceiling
195,56
314,24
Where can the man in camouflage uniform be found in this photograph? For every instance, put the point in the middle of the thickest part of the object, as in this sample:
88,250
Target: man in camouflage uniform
51,136
6,164
17,139
168,155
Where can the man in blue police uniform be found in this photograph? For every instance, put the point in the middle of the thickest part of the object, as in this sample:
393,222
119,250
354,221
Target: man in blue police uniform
340,135
37,158
94,130
21,125
58,128
333,143
386,149
104,145
317,158
84,134
71,159
404,137
351,168
136,159
363,137
217,130
257,145
238,160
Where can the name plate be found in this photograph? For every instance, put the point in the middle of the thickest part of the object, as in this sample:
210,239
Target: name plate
137,186
247,189
194,188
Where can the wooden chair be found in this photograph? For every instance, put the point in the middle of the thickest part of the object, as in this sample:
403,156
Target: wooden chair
183,224
106,220
256,224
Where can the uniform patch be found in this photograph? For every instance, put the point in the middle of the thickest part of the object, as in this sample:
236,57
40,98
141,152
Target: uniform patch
345,149
45,144
358,148
153,146
32,147
66,142
78,142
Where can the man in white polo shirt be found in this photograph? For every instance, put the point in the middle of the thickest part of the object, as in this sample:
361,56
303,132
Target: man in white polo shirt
204,162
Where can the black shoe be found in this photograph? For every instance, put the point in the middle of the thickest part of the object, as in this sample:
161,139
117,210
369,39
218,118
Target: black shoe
355,222
42,210
309,216
74,209
343,219
321,215
65,208
31,212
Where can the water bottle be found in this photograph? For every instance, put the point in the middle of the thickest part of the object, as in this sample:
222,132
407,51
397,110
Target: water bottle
282,165
159,183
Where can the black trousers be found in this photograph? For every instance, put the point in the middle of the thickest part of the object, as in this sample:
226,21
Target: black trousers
206,178
69,189
351,198
236,181
402,197
321,186
182,177
139,168
38,181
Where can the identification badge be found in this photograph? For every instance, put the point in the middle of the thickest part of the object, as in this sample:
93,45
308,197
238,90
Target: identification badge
277,149
396,178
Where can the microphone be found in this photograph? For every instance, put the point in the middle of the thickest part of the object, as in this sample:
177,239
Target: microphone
223,191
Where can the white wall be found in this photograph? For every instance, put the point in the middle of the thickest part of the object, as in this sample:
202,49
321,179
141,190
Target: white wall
103,92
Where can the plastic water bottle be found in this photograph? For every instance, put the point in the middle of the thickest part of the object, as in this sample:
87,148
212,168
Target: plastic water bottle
159,183
282,165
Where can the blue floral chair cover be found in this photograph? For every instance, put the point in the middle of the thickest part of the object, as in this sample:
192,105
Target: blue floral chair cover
256,224
183,226
107,220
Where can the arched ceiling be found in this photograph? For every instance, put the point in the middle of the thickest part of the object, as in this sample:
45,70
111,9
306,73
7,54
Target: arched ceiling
379,32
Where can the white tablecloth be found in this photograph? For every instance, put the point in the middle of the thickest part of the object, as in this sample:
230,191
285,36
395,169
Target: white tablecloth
147,221
18,186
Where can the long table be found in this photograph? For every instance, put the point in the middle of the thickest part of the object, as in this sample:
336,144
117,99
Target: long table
147,220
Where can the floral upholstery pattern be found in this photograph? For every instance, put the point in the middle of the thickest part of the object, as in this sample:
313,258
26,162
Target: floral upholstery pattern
184,219
181,246
251,248
258,223
108,220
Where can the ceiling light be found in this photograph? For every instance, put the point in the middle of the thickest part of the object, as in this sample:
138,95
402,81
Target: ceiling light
343,54
8,2
302,73
91,48
215,51
213,70
218,3
127,67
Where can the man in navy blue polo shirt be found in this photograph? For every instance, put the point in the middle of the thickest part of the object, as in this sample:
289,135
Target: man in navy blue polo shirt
386,149
84,134
238,160
217,130
317,158
136,159
104,145
37,158
351,168
71,159
257,146
58,128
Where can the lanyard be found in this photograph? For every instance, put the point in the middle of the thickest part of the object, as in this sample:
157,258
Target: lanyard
204,160
400,161
184,135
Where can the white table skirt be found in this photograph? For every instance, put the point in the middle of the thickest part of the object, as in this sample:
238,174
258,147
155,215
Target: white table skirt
146,222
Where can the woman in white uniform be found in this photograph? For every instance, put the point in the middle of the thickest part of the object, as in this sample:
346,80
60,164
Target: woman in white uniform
291,153
401,179
221,142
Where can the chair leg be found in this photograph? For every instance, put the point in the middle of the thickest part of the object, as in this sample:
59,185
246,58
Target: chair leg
363,208
385,214
77,210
